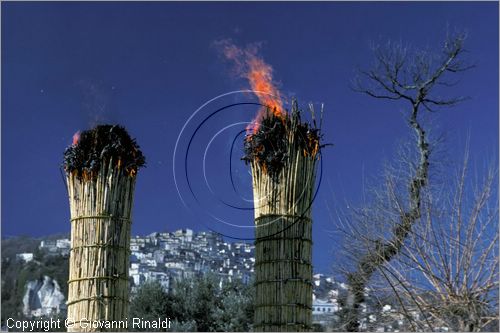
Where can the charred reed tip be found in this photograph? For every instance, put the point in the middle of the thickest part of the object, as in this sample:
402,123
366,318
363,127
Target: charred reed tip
271,143
103,144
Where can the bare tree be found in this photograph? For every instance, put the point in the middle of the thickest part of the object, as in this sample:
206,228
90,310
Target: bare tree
446,272
414,78
448,268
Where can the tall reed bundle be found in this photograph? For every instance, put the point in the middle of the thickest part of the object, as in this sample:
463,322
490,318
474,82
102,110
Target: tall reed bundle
283,154
101,166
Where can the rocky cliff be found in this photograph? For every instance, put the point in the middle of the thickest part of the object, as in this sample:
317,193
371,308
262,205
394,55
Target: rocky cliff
43,297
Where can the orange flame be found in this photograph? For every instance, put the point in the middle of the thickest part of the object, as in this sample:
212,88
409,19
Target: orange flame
76,138
260,77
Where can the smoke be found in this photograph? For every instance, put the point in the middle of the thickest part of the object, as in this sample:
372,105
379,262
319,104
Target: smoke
95,101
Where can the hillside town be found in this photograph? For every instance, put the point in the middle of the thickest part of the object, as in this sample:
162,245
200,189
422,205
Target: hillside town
183,254
167,257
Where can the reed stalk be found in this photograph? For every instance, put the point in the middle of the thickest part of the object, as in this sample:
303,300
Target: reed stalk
100,239
101,200
283,246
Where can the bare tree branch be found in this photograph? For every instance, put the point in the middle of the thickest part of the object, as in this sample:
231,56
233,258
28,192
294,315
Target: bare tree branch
394,66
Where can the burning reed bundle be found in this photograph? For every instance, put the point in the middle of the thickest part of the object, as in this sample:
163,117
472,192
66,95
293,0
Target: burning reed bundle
282,152
100,166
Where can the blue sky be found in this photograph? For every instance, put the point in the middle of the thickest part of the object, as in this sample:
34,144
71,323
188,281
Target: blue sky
149,66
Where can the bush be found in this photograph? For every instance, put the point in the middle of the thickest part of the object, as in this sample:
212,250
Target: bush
197,304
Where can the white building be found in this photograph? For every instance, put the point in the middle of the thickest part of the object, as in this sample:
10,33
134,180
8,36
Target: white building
26,257
63,243
324,307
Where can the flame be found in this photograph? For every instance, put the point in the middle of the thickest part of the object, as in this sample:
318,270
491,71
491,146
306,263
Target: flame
260,77
76,138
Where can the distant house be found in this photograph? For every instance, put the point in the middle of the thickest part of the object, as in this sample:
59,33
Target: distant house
324,307
63,243
49,245
26,257
324,312
56,247
185,235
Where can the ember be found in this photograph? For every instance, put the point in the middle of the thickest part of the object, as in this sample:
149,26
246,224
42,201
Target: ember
93,147
270,144
76,138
